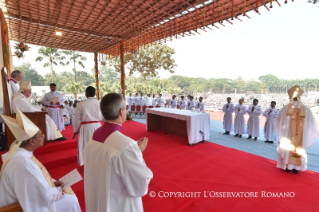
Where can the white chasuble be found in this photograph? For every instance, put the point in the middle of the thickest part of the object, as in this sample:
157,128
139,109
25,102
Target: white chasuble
115,175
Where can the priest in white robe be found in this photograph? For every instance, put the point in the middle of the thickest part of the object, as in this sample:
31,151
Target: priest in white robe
20,101
228,116
53,100
191,103
154,101
87,119
71,110
297,129
200,105
239,123
182,103
160,101
141,102
130,101
269,128
16,76
66,115
254,112
173,102
25,180
121,176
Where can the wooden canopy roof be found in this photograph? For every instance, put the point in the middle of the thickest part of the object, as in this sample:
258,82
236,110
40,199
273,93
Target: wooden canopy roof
99,25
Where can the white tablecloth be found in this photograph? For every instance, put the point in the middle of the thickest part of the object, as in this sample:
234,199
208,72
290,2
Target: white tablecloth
195,122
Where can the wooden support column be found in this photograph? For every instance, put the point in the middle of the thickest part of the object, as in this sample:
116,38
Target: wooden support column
122,51
96,76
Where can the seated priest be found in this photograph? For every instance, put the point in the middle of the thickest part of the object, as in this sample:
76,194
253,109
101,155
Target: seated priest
24,179
21,102
66,115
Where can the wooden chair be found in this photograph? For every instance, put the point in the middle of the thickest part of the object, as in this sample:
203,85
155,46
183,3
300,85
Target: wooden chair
15,207
38,118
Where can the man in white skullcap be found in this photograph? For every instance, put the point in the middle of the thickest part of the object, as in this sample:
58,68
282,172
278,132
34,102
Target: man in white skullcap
20,101
297,129
24,179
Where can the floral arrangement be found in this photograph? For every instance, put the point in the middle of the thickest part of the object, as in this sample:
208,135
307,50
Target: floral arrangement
103,63
22,47
18,54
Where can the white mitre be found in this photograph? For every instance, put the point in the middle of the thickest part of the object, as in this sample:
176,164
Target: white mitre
22,128
24,86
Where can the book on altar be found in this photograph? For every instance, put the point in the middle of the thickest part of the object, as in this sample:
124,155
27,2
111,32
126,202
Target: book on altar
71,178
55,99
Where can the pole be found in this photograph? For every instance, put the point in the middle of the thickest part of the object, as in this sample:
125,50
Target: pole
122,51
96,76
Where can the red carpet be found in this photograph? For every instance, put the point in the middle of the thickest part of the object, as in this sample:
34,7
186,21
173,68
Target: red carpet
178,167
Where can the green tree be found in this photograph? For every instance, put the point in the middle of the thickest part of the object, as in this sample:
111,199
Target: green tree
30,73
75,58
75,88
53,56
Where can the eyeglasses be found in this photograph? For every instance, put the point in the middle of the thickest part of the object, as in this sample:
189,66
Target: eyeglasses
42,136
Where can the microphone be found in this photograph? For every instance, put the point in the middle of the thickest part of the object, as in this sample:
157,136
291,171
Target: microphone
203,134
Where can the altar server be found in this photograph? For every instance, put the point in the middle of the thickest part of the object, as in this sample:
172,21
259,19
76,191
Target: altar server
71,111
297,129
148,100
66,115
254,112
183,103
240,124
16,76
24,179
154,99
228,116
20,101
269,129
54,110
115,173
200,105
141,102
173,102
160,101
87,119
130,101
191,103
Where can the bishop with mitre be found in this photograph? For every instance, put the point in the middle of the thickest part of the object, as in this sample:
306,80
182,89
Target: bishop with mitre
297,129
24,179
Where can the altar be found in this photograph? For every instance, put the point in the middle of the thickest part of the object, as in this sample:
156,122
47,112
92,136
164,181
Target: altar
193,125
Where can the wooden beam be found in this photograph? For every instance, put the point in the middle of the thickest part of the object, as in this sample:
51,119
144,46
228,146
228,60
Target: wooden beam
97,83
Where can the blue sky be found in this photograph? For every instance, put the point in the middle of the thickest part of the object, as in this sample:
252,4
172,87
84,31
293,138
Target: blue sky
283,42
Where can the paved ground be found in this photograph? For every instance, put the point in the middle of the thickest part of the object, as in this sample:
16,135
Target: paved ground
258,147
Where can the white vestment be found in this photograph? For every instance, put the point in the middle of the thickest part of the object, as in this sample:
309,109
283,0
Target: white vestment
269,128
14,87
22,103
66,116
173,103
253,121
71,113
228,117
148,101
54,111
190,104
141,102
239,123
130,100
154,101
183,104
283,128
23,181
200,106
86,111
120,177
160,101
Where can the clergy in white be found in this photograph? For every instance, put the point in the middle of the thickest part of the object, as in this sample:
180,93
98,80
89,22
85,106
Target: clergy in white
191,103
254,112
130,101
54,110
297,129
25,180
87,119
173,102
154,101
269,128
183,103
71,110
16,76
240,124
200,105
66,115
20,101
141,102
160,101
121,176
228,116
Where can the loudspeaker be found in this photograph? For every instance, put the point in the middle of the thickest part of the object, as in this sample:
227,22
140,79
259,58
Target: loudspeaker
3,139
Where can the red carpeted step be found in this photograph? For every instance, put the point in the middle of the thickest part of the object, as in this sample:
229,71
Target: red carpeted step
58,159
55,146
